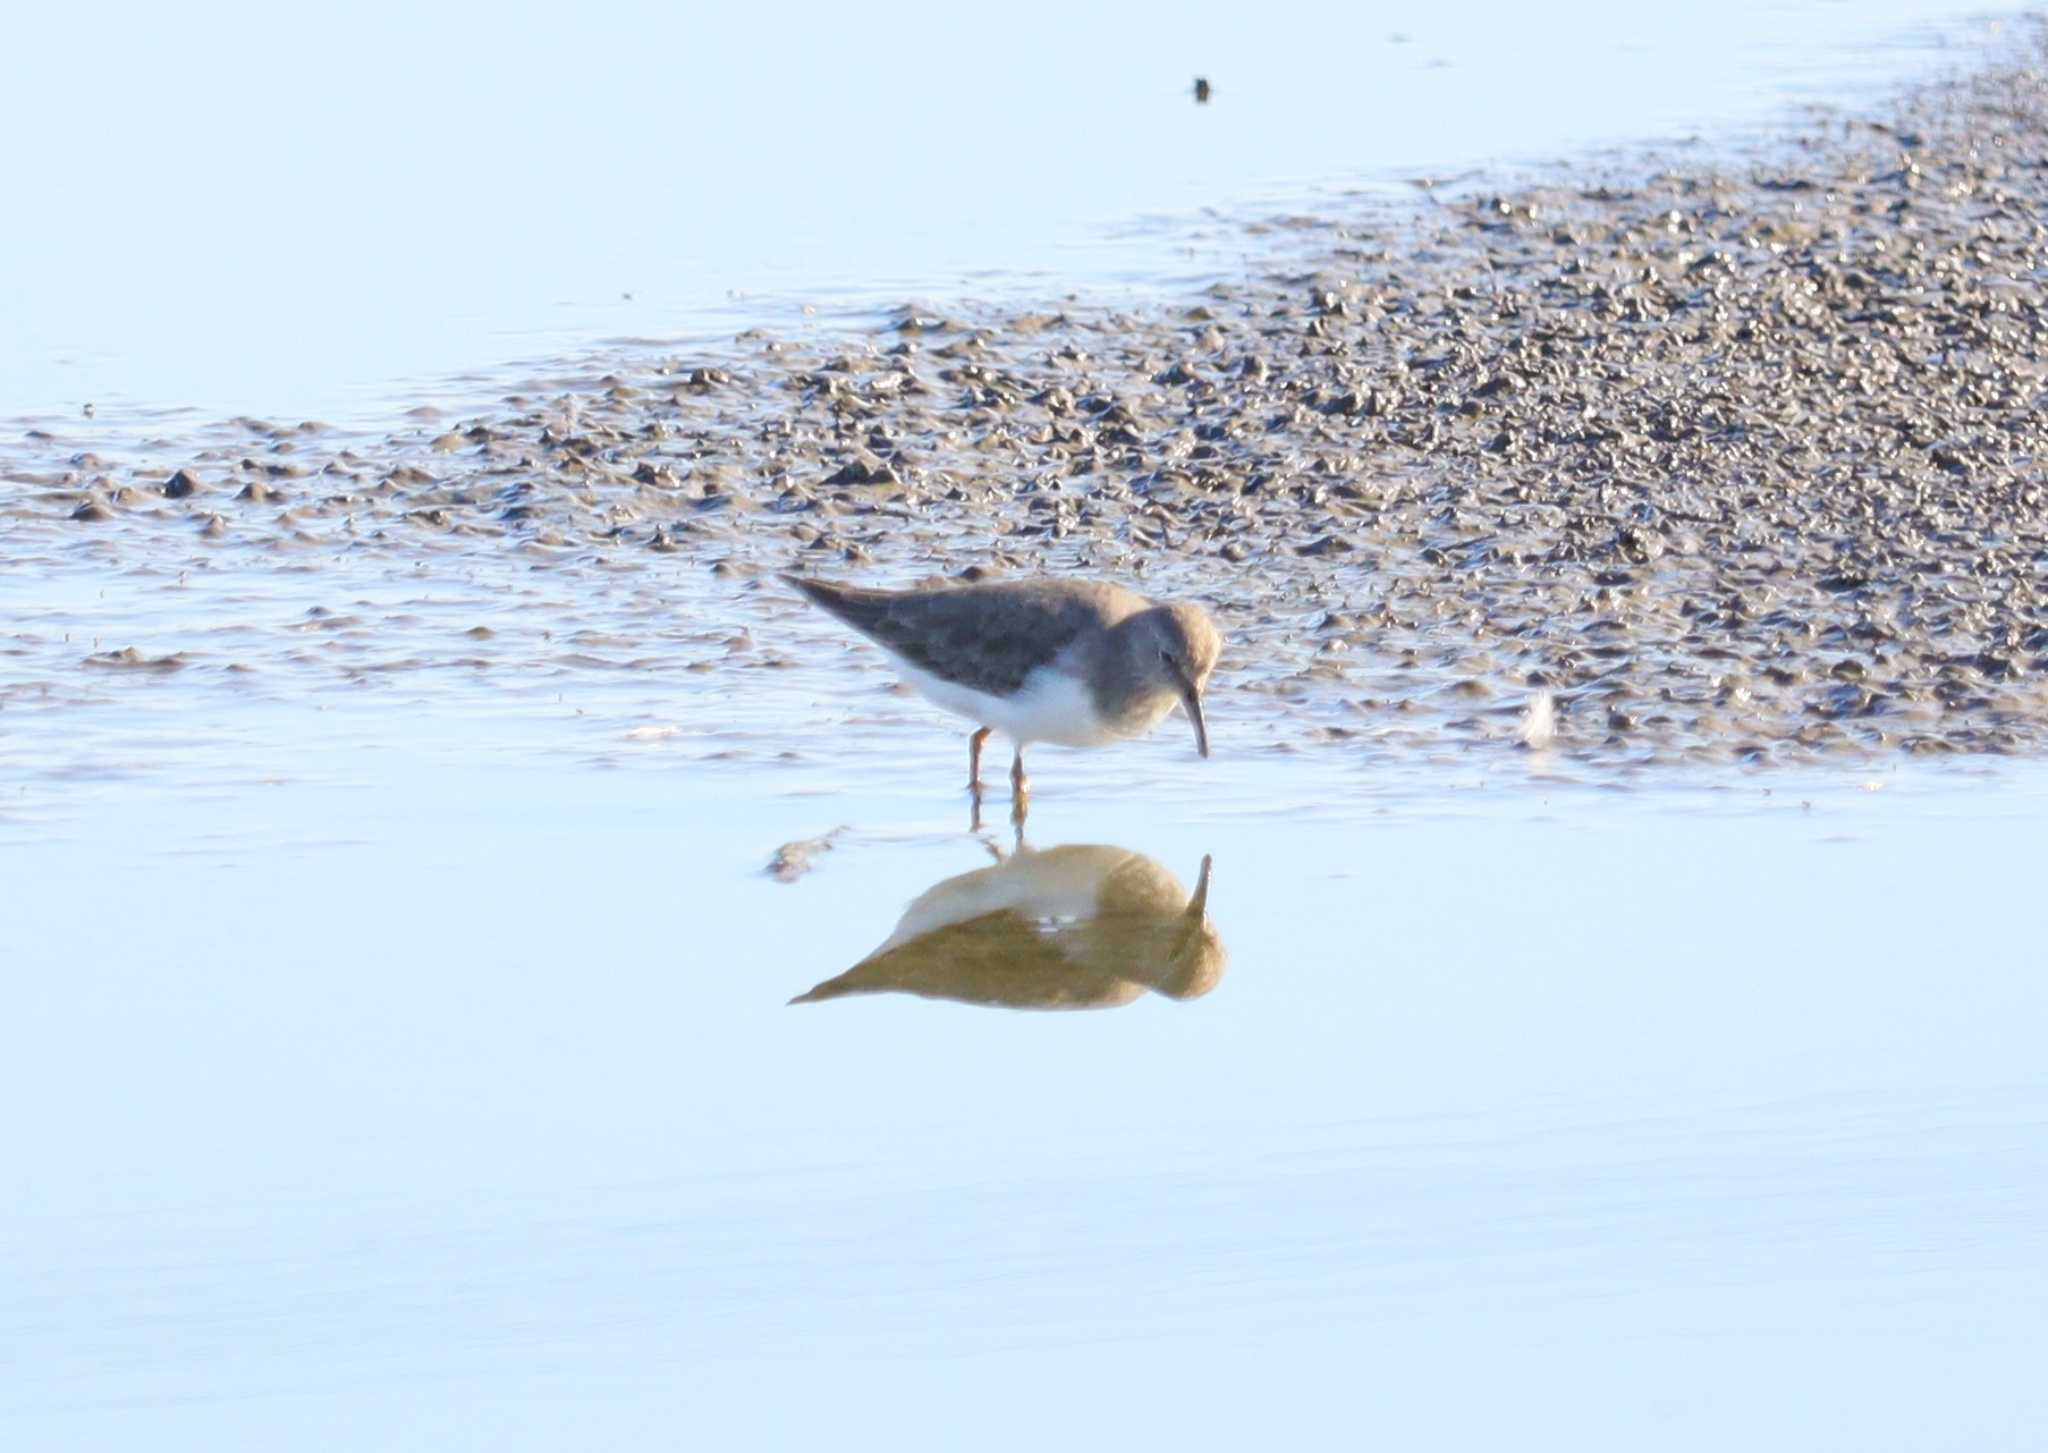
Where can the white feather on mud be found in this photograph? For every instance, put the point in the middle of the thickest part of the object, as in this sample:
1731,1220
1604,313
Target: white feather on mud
1539,722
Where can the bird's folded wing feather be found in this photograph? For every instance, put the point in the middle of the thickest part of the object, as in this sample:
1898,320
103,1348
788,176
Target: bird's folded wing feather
984,638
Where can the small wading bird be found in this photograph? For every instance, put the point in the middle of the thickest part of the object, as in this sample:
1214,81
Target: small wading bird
1073,662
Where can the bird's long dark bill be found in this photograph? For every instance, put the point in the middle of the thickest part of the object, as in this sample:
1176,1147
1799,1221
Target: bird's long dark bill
1191,703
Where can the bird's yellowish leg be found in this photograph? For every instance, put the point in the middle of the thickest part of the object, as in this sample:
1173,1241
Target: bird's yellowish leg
974,758
974,776
1020,789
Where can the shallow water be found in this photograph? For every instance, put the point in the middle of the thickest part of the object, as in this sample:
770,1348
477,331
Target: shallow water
317,210
435,1084
404,1046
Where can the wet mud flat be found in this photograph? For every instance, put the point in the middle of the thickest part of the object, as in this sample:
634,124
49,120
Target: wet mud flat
1728,461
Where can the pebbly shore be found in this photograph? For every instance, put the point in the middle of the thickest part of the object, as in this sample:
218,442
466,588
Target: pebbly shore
1724,461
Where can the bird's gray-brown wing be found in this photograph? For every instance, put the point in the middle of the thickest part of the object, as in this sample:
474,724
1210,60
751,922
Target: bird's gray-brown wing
987,637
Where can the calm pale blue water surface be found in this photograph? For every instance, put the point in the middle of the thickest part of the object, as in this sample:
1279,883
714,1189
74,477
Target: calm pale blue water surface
456,1105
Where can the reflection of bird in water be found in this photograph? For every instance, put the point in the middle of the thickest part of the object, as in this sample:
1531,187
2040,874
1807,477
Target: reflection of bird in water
1075,927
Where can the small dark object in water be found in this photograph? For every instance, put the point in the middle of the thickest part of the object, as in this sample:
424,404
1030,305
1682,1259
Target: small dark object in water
1201,90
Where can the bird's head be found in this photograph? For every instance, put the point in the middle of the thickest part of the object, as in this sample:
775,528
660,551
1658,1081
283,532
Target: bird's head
1176,647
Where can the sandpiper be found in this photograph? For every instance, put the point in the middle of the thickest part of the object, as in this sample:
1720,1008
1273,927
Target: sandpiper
1074,662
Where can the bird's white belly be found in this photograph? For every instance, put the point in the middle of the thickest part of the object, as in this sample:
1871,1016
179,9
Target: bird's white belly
1051,706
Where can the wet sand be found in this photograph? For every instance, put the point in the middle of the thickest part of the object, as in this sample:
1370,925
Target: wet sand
1724,462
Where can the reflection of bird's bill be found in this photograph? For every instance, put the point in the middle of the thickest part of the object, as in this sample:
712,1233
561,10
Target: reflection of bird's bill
1198,902
1192,970
1191,703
